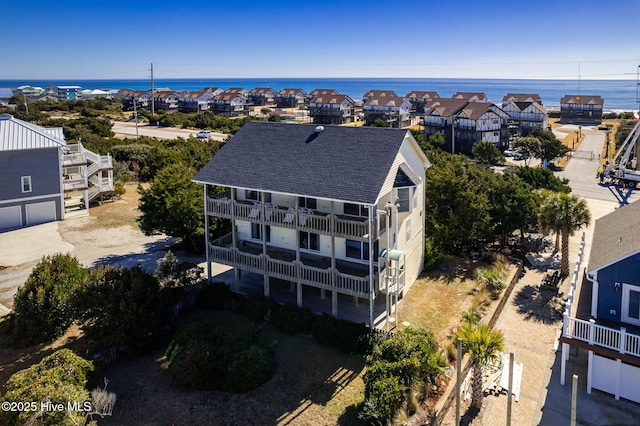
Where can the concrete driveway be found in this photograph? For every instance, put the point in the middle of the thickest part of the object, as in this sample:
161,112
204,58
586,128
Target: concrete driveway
82,237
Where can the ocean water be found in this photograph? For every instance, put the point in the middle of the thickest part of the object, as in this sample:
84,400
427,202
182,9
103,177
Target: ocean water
618,95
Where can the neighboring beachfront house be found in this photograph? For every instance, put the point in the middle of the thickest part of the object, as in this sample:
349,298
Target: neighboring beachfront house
468,121
526,116
135,100
231,103
63,93
262,96
607,320
197,100
470,96
166,100
291,98
332,109
43,178
419,98
581,109
378,94
521,97
312,209
321,92
393,110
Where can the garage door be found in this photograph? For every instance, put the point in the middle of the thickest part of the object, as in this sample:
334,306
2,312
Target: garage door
10,217
41,212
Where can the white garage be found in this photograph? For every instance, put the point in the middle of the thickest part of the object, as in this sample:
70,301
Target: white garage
41,212
10,217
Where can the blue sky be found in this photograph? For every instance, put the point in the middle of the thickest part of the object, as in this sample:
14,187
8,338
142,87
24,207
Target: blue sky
91,39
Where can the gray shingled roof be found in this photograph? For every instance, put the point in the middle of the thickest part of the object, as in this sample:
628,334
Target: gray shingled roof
615,236
340,163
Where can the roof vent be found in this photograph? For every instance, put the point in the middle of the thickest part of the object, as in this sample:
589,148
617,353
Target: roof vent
319,129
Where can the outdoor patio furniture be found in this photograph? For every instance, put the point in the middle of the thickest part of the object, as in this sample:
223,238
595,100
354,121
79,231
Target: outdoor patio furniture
255,211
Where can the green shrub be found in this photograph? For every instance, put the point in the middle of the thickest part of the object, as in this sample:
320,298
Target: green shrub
59,378
292,319
210,358
44,305
257,308
432,254
347,336
214,296
124,307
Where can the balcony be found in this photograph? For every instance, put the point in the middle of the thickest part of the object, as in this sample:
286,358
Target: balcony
587,331
315,271
300,219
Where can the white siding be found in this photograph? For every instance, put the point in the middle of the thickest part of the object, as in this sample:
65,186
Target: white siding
607,372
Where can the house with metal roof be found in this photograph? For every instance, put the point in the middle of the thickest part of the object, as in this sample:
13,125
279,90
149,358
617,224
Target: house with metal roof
43,178
581,109
315,209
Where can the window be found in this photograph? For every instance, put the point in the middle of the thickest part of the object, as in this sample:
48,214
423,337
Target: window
359,250
309,241
355,210
309,203
256,232
255,196
26,183
404,200
631,304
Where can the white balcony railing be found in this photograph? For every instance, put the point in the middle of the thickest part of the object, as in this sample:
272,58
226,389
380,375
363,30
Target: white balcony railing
610,338
303,219
294,271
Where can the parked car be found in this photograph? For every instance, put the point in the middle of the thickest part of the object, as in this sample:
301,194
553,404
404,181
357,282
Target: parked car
203,134
510,152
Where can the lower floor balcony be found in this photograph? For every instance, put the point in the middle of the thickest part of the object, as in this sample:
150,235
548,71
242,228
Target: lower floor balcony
350,278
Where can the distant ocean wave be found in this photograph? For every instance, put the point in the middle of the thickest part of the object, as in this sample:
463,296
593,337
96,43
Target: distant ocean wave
618,95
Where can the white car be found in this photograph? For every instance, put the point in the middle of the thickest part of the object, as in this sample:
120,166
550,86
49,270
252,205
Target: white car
203,134
510,152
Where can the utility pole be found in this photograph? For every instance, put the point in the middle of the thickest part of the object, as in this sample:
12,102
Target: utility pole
135,113
153,110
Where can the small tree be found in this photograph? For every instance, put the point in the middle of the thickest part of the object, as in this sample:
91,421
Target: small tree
43,306
565,214
487,153
528,146
483,344
173,205
60,378
123,307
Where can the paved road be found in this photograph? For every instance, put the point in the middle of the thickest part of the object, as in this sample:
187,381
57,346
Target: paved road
129,129
581,170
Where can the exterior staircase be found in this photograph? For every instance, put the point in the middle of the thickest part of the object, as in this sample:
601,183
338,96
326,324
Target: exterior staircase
86,171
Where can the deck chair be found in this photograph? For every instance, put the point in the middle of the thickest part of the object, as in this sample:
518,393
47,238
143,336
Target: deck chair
268,210
304,215
255,211
290,216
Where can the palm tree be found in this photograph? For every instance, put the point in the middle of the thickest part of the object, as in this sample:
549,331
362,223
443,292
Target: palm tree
483,344
565,214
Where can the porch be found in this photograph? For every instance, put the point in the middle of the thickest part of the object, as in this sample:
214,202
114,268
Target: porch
346,277
301,219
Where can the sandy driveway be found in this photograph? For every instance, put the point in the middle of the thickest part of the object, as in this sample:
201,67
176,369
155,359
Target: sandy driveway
125,245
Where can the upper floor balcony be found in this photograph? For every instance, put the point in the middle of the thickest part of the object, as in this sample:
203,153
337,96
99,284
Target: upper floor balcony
301,219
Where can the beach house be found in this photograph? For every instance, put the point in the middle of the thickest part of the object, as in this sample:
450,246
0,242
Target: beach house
393,110
331,108
318,210
262,96
470,96
525,113
464,123
197,100
378,94
231,102
419,98
606,322
290,98
43,178
581,109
